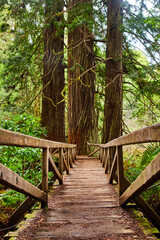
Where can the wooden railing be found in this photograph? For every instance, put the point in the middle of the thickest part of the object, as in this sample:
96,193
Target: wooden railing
67,156
111,156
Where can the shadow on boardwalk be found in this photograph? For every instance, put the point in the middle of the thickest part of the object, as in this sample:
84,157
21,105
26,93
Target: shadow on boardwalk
85,207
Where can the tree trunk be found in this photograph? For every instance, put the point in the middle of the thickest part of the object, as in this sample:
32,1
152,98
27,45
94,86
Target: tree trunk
112,126
81,114
53,106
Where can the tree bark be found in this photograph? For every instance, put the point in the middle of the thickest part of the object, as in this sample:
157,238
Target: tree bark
112,125
53,105
81,114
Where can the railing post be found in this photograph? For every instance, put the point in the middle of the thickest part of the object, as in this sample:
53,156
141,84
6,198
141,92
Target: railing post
87,148
61,162
72,155
75,152
121,180
67,157
107,160
45,175
104,157
100,154
70,158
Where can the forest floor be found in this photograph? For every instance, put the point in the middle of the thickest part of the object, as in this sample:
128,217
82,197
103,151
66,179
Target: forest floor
85,207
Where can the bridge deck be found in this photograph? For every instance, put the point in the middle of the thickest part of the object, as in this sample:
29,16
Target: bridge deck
84,207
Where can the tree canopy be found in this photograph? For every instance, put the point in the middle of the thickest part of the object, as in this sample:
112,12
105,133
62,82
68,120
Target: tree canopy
23,27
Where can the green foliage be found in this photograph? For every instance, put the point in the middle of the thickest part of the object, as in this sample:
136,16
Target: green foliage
24,123
150,153
135,163
11,198
23,53
26,162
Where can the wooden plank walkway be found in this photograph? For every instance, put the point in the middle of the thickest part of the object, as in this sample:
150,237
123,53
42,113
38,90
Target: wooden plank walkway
85,207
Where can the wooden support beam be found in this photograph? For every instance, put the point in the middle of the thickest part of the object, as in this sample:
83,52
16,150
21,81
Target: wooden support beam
24,207
65,165
110,159
70,159
67,157
96,150
45,175
56,151
55,170
106,162
61,161
101,154
120,170
113,169
149,175
14,181
72,155
150,213
75,153
104,156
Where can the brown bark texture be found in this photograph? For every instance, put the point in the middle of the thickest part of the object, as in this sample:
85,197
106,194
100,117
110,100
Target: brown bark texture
112,126
81,113
53,105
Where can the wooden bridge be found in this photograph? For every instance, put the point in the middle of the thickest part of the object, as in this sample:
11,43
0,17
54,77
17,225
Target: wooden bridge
85,205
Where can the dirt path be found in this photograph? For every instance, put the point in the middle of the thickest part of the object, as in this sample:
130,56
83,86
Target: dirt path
84,207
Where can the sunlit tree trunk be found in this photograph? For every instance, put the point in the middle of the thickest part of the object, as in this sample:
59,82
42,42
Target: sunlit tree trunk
112,126
81,113
53,106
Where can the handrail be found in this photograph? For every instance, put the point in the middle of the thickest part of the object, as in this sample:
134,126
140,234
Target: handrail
144,135
10,138
10,179
111,156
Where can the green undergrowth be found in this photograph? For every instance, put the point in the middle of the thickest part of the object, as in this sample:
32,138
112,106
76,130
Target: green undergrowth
136,159
26,162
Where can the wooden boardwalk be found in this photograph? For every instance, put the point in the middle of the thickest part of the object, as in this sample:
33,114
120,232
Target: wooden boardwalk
85,207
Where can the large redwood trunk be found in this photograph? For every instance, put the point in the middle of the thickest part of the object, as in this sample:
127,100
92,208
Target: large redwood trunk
112,127
81,114
53,106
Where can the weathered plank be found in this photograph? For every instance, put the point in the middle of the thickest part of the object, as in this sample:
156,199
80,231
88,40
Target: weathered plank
90,212
149,175
14,181
55,170
144,135
11,138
